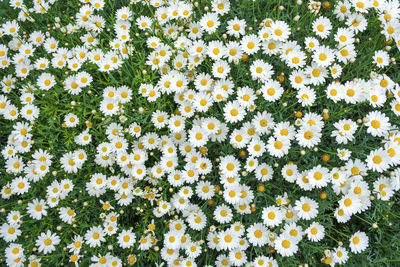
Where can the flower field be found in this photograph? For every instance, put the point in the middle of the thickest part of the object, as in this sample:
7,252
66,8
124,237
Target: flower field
199,133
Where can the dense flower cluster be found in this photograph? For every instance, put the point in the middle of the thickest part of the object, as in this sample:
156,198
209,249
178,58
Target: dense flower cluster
200,163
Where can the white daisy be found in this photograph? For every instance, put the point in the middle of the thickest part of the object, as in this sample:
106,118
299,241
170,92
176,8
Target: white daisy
378,124
308,136
280,30
209,22
272,216
250,44
236,27
322,26
307,208
46,242
358,242
285,245
315,232
257,234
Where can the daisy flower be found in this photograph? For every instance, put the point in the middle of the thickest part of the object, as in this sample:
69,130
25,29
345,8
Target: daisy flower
263,122
228,240
378,160
222,260
236,27
9,232
271,90
381,59
46,242
145,244
261,70
315,232
209,22
283,129
124,94
257,234
278,147
220,69
395,104
109,107
345,53
197,220
203,81
311,43
232,193
250,44
296,59
307,208
317,74
294,231
45,81
357,23
378,124
83,138
263,261
229,166
143,22
6,191
37,209
377,97
322,27
124,13
298,79
280,30
256,147
323,56
205,190
285,245
198,48
290,172
94,236
198,136
192,250
126,239
350,204
234,51
352,92
359,241
272,216
14,217
383,82
344,36
237,257
195,31
391,28
340,255
342,9
20,185
251,164
344,132
246,96
336,70
308,136
318,176
71,120
233,112
263,172
159,119
223,214
67,214
306,96
271,47
383,188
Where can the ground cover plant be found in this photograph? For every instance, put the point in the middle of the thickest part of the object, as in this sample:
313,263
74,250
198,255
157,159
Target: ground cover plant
199,133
